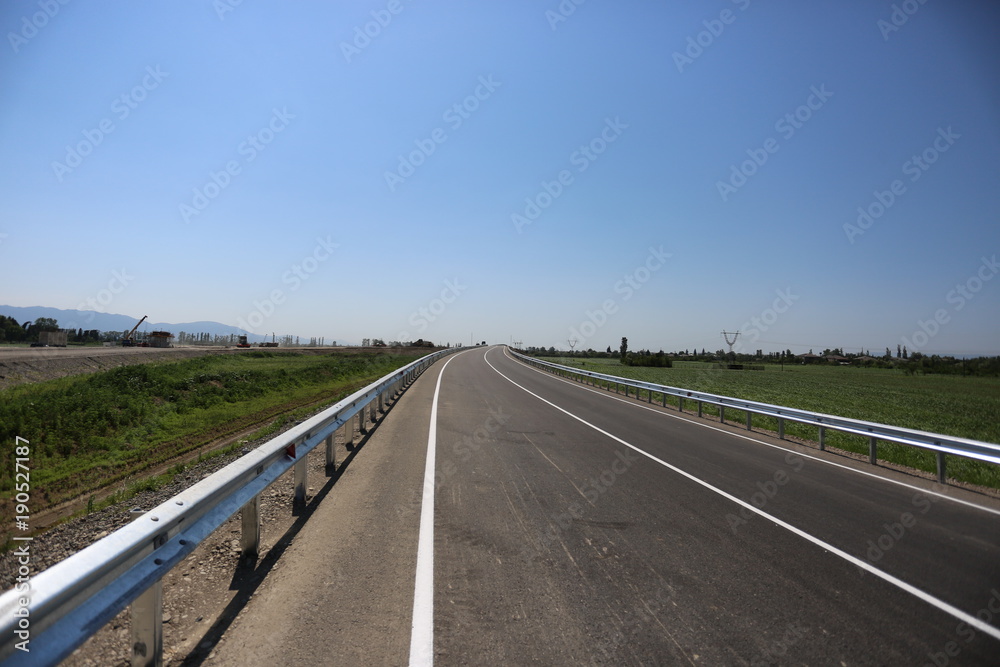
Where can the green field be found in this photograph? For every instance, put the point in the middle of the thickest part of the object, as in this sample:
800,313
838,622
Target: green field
89,431
949,404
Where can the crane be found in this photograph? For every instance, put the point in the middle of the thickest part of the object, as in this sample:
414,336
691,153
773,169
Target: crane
127,340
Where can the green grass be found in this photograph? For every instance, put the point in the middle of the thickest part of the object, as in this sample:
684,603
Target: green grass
87,432
948,404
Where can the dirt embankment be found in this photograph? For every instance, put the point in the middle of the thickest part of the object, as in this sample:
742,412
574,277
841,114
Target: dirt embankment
23,365
20,365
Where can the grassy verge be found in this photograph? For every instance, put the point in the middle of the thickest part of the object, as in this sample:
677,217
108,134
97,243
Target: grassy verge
947,404
88,432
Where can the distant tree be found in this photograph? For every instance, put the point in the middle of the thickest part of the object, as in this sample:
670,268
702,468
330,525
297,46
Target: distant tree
623,350
609,349
899,351
905,355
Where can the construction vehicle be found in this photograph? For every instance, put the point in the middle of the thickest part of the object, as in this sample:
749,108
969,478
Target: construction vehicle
243,342
273,343
128,341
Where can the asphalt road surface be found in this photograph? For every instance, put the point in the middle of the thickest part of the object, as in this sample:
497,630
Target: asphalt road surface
565,525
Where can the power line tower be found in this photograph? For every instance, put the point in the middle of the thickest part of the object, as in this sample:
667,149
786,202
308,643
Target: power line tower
730,343
572,343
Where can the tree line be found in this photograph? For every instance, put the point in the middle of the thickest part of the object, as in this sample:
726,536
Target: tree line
908,362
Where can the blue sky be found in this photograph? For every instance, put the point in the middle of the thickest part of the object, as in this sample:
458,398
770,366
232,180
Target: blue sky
499,170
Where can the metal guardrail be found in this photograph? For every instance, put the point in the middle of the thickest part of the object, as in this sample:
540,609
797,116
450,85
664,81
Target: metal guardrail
942,445
73,599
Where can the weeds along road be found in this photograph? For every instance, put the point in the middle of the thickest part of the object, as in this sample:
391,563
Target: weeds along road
571,526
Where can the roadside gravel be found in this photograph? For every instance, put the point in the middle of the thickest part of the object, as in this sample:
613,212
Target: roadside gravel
203,591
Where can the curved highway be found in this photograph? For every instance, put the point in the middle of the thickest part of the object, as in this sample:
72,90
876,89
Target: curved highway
500,515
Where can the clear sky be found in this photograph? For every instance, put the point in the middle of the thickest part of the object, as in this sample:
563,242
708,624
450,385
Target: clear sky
533,171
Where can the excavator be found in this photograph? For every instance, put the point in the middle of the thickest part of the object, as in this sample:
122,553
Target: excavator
127,341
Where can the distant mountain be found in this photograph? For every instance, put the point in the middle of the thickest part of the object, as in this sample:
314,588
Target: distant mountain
89,319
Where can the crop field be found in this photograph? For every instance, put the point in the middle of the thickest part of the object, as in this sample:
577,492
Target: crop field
953,405
87,432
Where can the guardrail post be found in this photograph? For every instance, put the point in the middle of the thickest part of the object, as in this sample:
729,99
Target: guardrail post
822,438
331,452
301,478
872,450
722,414
250,527
372,415
650,392
361,420
147,618
781,428
942,467
348,429
699,408
749,422
626,391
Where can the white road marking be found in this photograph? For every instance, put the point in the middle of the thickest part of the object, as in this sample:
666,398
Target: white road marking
702,424
857,562
422,629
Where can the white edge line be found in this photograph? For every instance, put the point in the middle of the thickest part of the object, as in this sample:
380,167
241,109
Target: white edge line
889,480
857,562
422,628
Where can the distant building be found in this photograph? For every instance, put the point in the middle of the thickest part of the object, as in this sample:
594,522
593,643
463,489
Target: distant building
52,338
160,338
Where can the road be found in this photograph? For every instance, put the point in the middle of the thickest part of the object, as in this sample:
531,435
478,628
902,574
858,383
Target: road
572,526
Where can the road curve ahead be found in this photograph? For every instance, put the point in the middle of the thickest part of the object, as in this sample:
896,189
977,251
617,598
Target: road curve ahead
572,526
